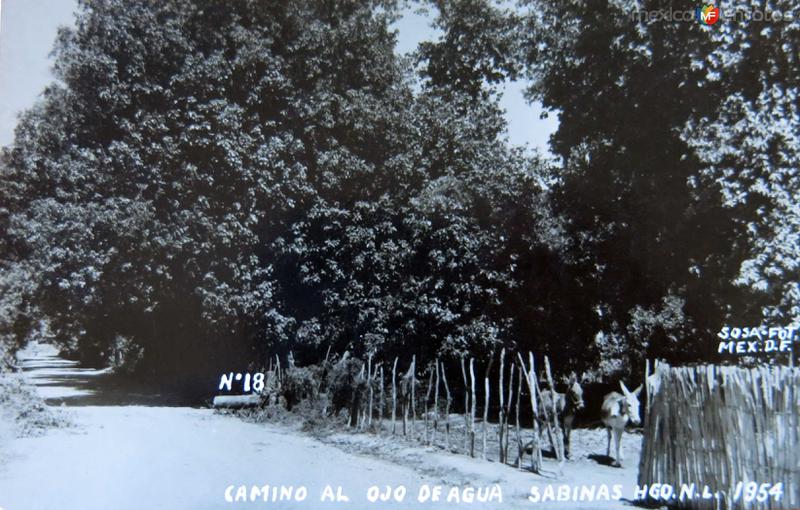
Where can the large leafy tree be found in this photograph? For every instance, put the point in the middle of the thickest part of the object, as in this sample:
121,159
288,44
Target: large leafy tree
678,159
477,50
750,147
551,305
678,178
181,138
429,265
210,180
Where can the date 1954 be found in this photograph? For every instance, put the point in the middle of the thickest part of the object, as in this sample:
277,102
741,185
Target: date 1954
754,491
746,492
756,340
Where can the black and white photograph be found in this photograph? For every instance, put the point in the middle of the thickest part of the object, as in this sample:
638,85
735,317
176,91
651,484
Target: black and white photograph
399,254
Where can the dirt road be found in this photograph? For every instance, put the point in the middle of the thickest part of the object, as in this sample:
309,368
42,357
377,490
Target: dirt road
149,457
153,457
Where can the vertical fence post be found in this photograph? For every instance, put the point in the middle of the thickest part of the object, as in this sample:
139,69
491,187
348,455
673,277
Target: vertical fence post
501,411
466,406
436,402
473,409
413,396
369,389
427,404
508,410
394,395
486,397
381,402
530,379
519,430
559,444
446,410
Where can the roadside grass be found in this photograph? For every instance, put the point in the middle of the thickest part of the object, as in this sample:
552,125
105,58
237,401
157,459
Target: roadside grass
22,410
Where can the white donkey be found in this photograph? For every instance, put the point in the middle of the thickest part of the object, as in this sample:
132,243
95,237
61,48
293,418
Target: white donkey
617,411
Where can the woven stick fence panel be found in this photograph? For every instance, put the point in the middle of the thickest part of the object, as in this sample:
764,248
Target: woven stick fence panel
728,428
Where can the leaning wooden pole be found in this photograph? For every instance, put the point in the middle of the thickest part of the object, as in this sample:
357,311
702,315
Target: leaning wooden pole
508,410
530,379
545,412
556,427
446,410
324,370
436,404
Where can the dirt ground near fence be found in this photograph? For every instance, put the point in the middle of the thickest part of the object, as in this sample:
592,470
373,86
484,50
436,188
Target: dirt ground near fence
588,468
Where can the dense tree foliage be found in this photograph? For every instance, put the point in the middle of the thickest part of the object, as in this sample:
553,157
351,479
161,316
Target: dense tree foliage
678,143
622,89
750,147
210,181
656,155
478,49
182,138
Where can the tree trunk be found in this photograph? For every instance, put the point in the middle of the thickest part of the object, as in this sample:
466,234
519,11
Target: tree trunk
235,401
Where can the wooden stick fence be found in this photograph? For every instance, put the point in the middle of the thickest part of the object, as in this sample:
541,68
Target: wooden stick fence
530,378
732,429
446,410
372,401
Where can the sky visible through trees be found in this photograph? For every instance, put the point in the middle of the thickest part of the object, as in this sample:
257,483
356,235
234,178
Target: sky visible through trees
29,29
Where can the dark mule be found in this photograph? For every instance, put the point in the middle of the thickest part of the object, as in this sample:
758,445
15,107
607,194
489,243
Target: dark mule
567,406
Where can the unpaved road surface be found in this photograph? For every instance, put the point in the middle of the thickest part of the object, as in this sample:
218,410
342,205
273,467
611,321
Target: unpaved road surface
148,457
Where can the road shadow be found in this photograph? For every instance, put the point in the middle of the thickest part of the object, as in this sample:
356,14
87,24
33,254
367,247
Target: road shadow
603,460
549,453
64,382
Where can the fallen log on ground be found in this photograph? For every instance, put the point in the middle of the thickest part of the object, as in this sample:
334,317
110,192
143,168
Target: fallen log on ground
235,401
